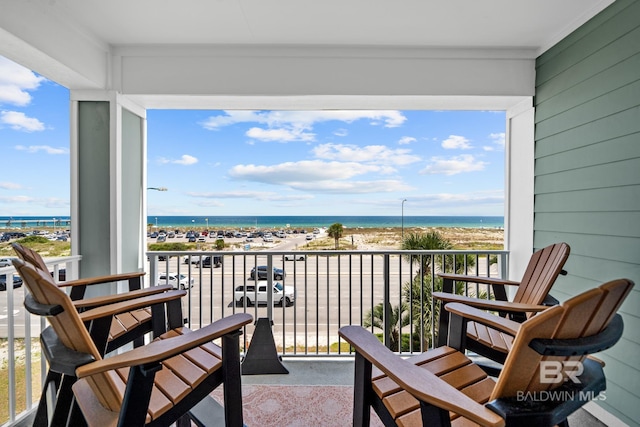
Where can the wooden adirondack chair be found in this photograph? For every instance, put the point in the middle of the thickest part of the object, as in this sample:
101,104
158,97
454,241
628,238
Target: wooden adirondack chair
125,327
443,387
531,297
156,384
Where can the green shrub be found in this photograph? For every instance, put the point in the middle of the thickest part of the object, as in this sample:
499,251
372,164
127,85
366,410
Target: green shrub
30,240
171,247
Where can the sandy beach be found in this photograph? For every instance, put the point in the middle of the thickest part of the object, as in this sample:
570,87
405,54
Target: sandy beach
362,239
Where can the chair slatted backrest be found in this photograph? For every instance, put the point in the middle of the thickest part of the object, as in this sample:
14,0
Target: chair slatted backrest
580,316
30,256
70,329
542,271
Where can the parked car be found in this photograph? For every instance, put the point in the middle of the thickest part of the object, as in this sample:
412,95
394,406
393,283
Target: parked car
177,281
246,294
215,261
278,273
193,259
309,237
17,282
6,262
295,257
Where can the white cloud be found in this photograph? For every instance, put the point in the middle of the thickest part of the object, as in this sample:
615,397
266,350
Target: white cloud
10,186
377,154
341,132
281,135
498,139
47,149
256,195
304,119
492,197
456,142
406,140
353,187
15,81
185,160
453,165
319,176
19,121
302,171
47,202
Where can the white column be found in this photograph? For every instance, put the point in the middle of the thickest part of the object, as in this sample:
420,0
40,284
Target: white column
519,182
108,141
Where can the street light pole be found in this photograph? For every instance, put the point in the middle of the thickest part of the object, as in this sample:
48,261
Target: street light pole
403,200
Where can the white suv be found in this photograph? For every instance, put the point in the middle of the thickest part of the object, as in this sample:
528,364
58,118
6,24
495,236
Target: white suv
247,294
174,280
6,262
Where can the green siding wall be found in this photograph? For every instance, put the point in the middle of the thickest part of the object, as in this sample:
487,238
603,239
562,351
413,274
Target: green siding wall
587,174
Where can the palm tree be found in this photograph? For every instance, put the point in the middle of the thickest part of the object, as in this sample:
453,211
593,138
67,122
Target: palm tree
399,318
336,231
431,240
417,292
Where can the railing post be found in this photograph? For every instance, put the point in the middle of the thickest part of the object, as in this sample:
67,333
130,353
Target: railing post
153,270
386,300
269,286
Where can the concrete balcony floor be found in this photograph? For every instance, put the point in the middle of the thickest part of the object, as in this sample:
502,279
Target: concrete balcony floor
339,371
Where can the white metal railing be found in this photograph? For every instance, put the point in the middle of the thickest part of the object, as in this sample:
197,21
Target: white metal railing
19,333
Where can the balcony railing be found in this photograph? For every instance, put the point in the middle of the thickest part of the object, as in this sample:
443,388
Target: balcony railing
387,291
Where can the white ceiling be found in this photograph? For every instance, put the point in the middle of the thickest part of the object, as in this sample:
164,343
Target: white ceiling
314,54
535,24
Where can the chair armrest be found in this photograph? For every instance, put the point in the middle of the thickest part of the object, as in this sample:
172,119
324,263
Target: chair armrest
102,279
160,350
470,313
110,299
478,279
420,383
486,304
134,304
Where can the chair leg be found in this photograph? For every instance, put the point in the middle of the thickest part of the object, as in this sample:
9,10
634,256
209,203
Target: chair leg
183,421
76,419
232,380
443,323
64,401
457,332
361,390
42,414
434,416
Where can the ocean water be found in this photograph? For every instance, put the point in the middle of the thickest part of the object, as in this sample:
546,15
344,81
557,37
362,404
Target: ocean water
278,222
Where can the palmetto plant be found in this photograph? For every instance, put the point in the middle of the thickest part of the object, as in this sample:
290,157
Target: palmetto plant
399,318
417,307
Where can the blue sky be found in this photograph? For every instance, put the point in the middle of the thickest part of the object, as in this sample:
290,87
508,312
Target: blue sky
265,162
